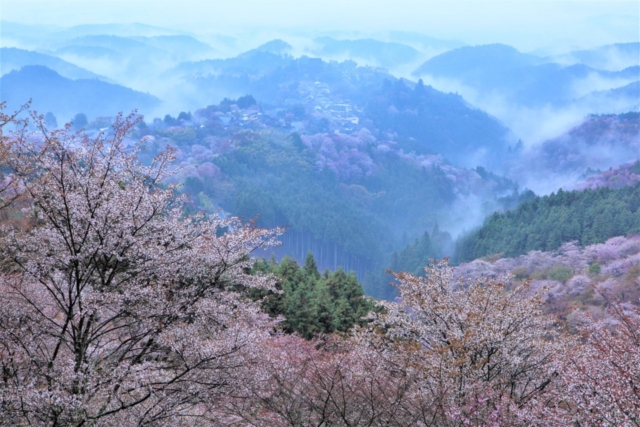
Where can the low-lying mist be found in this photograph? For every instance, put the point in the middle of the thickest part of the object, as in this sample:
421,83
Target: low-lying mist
188,72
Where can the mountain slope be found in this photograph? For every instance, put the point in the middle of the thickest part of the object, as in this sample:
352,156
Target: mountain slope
426,120
524,79
545,223
477,65
385,54
608,57
64,97
15,59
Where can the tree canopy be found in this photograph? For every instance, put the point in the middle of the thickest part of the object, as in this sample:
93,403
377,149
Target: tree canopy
545,223
117,309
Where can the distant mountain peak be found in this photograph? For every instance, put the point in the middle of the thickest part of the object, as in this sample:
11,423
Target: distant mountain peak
39,71
277,46
15,59
467,58
65,97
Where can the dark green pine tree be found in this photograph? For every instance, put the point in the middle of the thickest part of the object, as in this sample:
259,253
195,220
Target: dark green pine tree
301,312
345,316
311,268
312,303
324,308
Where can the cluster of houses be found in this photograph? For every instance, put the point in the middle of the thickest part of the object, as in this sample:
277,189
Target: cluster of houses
315,103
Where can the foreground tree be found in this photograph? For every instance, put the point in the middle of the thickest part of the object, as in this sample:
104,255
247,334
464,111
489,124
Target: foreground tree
603,375
479,354
9,185
327,382
116,308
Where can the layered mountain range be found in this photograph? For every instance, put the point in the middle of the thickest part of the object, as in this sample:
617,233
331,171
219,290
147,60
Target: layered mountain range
360,144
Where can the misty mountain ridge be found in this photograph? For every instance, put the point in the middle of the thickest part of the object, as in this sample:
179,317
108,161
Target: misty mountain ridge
626,98
277,47
118,44
623,175
475,64
122,30
609,57
15,59
64,97
181,47
251,62
505,87
384,54
428,120
79,53
523,79
599,142
422,41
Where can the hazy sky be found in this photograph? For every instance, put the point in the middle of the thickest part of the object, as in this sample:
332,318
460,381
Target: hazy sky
528,24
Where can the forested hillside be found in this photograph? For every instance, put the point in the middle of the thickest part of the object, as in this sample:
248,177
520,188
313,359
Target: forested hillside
434,122
598,141
588,217
348,184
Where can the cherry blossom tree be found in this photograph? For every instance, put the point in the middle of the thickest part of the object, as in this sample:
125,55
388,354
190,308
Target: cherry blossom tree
603,374
330,382
481,355
9,186
117,309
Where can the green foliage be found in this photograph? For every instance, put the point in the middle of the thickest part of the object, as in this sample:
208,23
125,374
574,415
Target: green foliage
418,255
545,223
79,121
184,116
311,303
245,102
520,273
186,136
413,259
594,269
558,272
274,179
170,121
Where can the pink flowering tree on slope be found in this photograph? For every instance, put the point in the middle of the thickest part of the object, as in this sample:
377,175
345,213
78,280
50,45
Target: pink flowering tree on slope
484,356
602,376
116,308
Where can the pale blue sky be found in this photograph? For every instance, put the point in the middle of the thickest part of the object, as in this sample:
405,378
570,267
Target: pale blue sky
527,24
